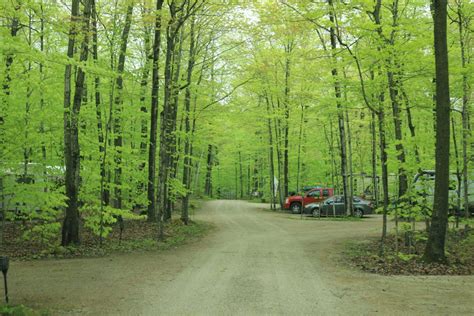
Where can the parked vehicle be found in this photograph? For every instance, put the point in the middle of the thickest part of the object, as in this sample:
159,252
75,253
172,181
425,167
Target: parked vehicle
334,206
20,183
295,203
424,182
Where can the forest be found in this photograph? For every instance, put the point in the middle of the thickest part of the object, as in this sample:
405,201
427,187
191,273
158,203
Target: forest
113,110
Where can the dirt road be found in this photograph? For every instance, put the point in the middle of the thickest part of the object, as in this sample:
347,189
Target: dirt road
256,262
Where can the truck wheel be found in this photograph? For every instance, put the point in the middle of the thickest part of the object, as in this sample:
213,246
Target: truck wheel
295,208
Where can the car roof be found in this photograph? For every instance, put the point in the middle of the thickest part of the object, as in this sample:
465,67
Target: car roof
340,195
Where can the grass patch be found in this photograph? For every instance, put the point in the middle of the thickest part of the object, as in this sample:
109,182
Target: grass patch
365,255
21,310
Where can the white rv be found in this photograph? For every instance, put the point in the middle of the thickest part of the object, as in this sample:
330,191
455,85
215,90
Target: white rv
20,183
424,185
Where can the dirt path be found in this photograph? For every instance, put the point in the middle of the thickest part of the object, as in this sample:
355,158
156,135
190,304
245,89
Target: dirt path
257,262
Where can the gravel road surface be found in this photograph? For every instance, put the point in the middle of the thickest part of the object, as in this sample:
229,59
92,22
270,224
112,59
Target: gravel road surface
256,262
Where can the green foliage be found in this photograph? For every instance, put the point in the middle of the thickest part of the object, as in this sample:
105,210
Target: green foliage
21,310
46,233
177,189
265,73
406,257
100,221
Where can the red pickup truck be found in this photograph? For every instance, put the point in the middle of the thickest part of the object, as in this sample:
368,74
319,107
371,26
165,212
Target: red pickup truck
296,203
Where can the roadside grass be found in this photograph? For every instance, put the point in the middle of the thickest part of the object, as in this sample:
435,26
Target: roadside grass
365,254
21,310
138,235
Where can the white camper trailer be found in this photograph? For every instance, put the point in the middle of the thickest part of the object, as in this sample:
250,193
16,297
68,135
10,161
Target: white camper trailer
424,183
20,183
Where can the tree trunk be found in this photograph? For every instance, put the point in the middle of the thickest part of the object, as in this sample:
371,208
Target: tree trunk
174,144
15,26
286,127
241,177
143,88
152,211
434,251
278,151
300,137
393,85
248,179
208,182
118,141
42,79
187,126
340,114
271,159
383,163
463,27
100,130
375,183
411,126
70,229
458,171
166,118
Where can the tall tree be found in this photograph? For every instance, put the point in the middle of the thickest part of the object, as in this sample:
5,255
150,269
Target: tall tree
152,211
340,112
72,156
187,124
118,102
435,247
463,21
286,104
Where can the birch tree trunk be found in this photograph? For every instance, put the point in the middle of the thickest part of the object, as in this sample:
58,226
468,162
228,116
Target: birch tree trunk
152,211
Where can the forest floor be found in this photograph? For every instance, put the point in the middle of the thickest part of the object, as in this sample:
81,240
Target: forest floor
255,262
404,255
137,235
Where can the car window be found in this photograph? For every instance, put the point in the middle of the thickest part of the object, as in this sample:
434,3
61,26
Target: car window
315,193
356,200
339,199
325,192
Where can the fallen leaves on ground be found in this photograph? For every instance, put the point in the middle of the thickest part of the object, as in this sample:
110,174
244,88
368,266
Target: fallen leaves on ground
137,235
459,251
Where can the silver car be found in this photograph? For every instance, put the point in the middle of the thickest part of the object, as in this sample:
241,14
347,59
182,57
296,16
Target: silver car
334,206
